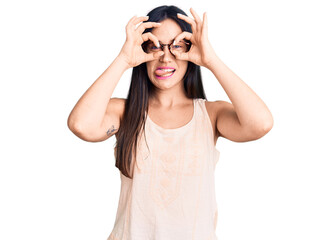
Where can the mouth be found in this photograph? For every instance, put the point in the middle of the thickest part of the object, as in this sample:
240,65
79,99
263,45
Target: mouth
164,72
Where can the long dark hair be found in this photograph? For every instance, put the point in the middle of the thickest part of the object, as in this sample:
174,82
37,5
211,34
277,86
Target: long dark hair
136,104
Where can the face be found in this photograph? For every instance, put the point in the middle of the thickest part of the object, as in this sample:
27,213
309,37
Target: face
160,78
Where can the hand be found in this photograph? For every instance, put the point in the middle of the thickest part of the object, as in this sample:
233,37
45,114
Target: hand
201,51
132,52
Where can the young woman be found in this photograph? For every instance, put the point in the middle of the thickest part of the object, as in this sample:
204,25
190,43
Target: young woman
166,130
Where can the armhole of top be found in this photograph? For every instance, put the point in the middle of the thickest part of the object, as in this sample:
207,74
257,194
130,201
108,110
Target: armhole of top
217,152
210,124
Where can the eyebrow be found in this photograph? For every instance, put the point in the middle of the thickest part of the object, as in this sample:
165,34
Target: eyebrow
171,41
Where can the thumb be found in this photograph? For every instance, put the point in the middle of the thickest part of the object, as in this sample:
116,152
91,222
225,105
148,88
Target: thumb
180,56
153,56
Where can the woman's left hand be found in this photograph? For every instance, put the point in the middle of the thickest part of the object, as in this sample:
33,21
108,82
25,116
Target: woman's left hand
201,51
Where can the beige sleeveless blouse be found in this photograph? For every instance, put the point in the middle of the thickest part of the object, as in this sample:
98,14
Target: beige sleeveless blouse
172,193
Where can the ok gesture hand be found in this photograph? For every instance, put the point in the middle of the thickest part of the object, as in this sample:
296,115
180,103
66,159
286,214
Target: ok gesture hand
201,51
132,51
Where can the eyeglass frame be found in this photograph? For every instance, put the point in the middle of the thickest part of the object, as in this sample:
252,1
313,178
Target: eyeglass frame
169,45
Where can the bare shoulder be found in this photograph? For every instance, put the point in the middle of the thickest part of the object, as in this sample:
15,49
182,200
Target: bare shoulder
214,108
217,106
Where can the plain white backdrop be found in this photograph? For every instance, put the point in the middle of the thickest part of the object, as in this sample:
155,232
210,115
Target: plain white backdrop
54,185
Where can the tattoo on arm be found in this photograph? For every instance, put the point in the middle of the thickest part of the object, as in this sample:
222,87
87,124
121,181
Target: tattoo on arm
111,130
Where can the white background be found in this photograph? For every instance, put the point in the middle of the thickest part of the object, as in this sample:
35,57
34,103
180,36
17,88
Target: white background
56,186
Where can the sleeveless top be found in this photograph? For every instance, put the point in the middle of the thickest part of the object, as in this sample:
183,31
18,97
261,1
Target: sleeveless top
172,193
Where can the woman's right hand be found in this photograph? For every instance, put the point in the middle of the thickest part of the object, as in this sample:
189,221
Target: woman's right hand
132,52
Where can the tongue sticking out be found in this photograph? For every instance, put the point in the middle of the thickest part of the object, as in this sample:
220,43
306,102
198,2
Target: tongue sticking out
160,72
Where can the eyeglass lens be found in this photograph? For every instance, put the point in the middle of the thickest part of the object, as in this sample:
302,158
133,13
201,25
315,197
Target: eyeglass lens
180,46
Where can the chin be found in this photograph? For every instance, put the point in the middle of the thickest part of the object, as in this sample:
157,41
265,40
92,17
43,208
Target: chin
165,83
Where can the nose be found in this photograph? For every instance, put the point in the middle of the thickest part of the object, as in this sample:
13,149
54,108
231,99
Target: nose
167,56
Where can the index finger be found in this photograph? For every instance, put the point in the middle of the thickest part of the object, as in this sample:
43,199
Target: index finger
183,35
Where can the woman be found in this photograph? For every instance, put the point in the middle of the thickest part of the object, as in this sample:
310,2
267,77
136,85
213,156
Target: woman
166,131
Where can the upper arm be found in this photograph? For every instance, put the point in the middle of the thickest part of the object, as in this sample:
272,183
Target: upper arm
111,120
229,126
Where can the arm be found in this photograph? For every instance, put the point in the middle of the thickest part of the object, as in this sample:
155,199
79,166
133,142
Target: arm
86,118
96,116
247,118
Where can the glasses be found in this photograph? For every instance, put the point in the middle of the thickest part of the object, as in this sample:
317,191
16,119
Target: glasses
181,47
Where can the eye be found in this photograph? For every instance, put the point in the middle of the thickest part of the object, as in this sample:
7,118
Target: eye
152,47
179,47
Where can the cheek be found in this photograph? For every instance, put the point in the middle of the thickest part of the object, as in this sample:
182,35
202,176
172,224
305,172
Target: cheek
149,68
183,67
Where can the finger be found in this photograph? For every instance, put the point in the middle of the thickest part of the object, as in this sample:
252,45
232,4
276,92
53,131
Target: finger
153,56
129,24
183,35
196,16
145,25
180,56
205,23
139,20
188,20
150,36
131,20
197,19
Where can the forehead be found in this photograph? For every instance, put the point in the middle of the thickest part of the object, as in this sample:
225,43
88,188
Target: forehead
167,31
